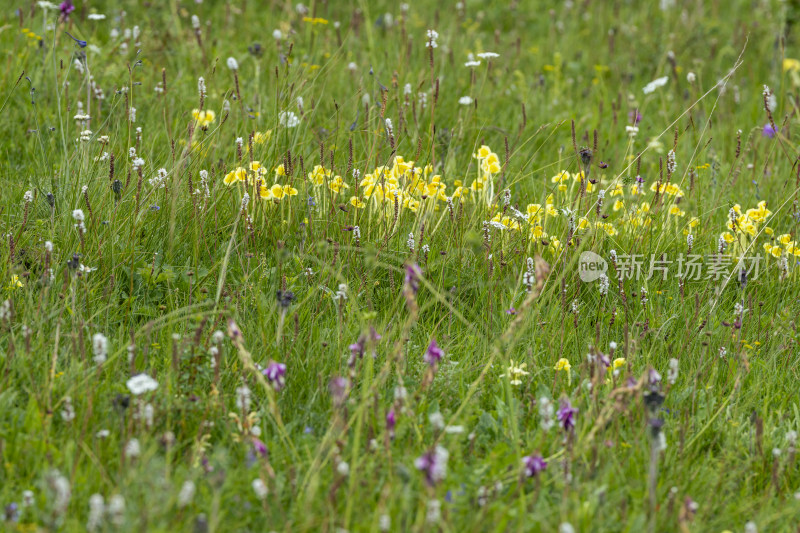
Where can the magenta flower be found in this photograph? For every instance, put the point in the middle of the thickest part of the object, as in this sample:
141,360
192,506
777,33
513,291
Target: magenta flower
413,273
433,354
66,7
433,464
566,415
275,374
339,388
391,422
259,447
533,465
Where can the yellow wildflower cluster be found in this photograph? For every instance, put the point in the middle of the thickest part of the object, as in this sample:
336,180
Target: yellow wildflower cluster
203,118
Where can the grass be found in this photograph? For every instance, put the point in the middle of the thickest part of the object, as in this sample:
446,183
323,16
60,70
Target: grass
368,312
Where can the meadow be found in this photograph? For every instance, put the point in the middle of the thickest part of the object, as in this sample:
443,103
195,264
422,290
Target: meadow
378,266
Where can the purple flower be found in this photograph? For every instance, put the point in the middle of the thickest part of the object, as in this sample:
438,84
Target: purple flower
653,377
259,447
534,464
66,7
413,273
433,464
635,117
391,422
339,387
511,311
357,348
275,373
768,131
433,354
566,415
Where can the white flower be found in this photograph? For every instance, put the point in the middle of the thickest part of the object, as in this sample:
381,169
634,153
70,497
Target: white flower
233,64
47,5
78,215
437,420
631,130
288,119
277,35
102,434
352,66
195,22
99,348
48,246
28,197
141,383
432,36
343,468
243,398
465,100
96,510
672,373
85,269
116,509
488,55
96,16
68,412
133,449
434,511
27,498
132,114
186,495
260,488
691,77
655,84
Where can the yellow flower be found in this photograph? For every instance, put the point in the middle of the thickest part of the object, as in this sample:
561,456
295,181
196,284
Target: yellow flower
315,20
357,203
239,174
618,362
280,171
277,191
534,210
15,283
676,211
785,238
562,364
337,185
491,165
561,176
261,138
317,176
791,65
288,190
265,193
483,152
619,204
515,372
203,118
256,167
727,237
